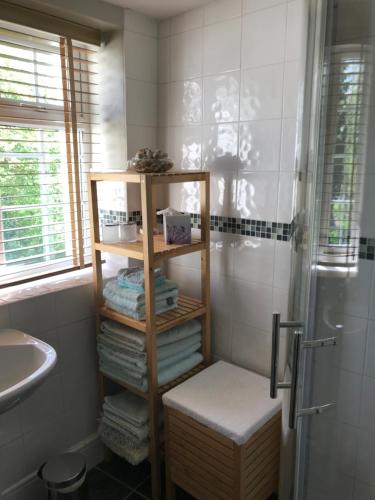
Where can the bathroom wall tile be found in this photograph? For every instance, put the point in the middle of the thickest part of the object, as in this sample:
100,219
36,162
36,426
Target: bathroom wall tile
285,204
4,316
252,304
45,403
254,260
139,23
259,145
34,315
164,28
13,461
370,350
10,426
140,57
221,10
349,295
141,103
367,221
46,439
79,376
77,339
257,195
363,491
366,458
288,145
32,490
254,5
349,353
221,338
163,105
139,137
220,147
187,147
223,192
335,487
164,57
185,197
261,93
185,102
222,257
296,28
292,89
222,306
280,302
82,419
221,95
283,262
187,21
368,405
186,55
74,304
188,279
249,347
263,38
221,47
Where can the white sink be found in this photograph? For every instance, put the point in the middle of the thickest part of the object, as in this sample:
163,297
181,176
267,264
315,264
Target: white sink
24,363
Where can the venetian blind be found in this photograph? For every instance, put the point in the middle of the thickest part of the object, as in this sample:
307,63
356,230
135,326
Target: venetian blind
49,138
346,93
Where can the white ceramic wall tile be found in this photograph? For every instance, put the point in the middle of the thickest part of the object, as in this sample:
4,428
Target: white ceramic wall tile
74,304
261,92
220,147
164,57
185,197
221,96
282,268
254,5
185,102
295,30
164,28
280,302
285,203
257,195
13,461
221,47
252,304
368,405
141,103
10,425
186,55
222,300
366,458
187,151
349,353
249,347
141,57
187,21
223,192
140,137
188,279
222,339
370,350
76,340
77,378
363,491
4,316
222,10
292,89
222,248
35,315
347,295
140,24
263,37
288,145
254,260
259,145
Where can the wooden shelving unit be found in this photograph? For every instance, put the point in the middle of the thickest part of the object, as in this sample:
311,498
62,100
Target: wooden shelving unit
152,250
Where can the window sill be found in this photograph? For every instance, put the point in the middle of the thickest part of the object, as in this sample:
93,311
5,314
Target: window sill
55,284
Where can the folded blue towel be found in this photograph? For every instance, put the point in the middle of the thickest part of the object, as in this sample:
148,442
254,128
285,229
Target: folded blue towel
131,298
134,278
140,312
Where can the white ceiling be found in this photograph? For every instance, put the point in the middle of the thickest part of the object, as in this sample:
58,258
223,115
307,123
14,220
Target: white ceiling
159,8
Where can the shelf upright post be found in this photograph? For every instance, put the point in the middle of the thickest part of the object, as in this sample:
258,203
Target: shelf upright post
205,266
148,250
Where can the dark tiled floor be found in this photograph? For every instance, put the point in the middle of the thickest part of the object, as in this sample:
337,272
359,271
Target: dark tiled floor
118,480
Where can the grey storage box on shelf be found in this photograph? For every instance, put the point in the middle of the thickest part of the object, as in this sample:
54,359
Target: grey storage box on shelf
65,477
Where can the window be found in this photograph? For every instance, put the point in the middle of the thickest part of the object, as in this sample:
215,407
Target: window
49,138
346,94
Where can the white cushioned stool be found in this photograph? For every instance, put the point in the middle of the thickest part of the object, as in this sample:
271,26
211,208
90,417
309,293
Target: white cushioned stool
223,435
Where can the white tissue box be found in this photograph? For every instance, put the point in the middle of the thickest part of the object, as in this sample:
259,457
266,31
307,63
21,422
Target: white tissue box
177,229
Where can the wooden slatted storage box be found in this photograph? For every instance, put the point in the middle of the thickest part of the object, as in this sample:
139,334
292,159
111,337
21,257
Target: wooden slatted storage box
223,435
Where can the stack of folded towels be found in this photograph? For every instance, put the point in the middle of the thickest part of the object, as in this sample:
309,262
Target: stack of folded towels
126,293
123,356
124,426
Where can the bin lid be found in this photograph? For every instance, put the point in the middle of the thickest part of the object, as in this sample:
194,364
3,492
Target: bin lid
62,471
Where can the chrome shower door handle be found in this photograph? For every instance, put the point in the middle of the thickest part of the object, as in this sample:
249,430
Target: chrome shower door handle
276,326
294,382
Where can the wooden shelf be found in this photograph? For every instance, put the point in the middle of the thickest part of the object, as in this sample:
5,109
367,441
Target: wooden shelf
187,308
135,177
162,389
161,249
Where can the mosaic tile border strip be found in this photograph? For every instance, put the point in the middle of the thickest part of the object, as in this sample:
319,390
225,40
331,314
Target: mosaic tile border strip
367,248
231,225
